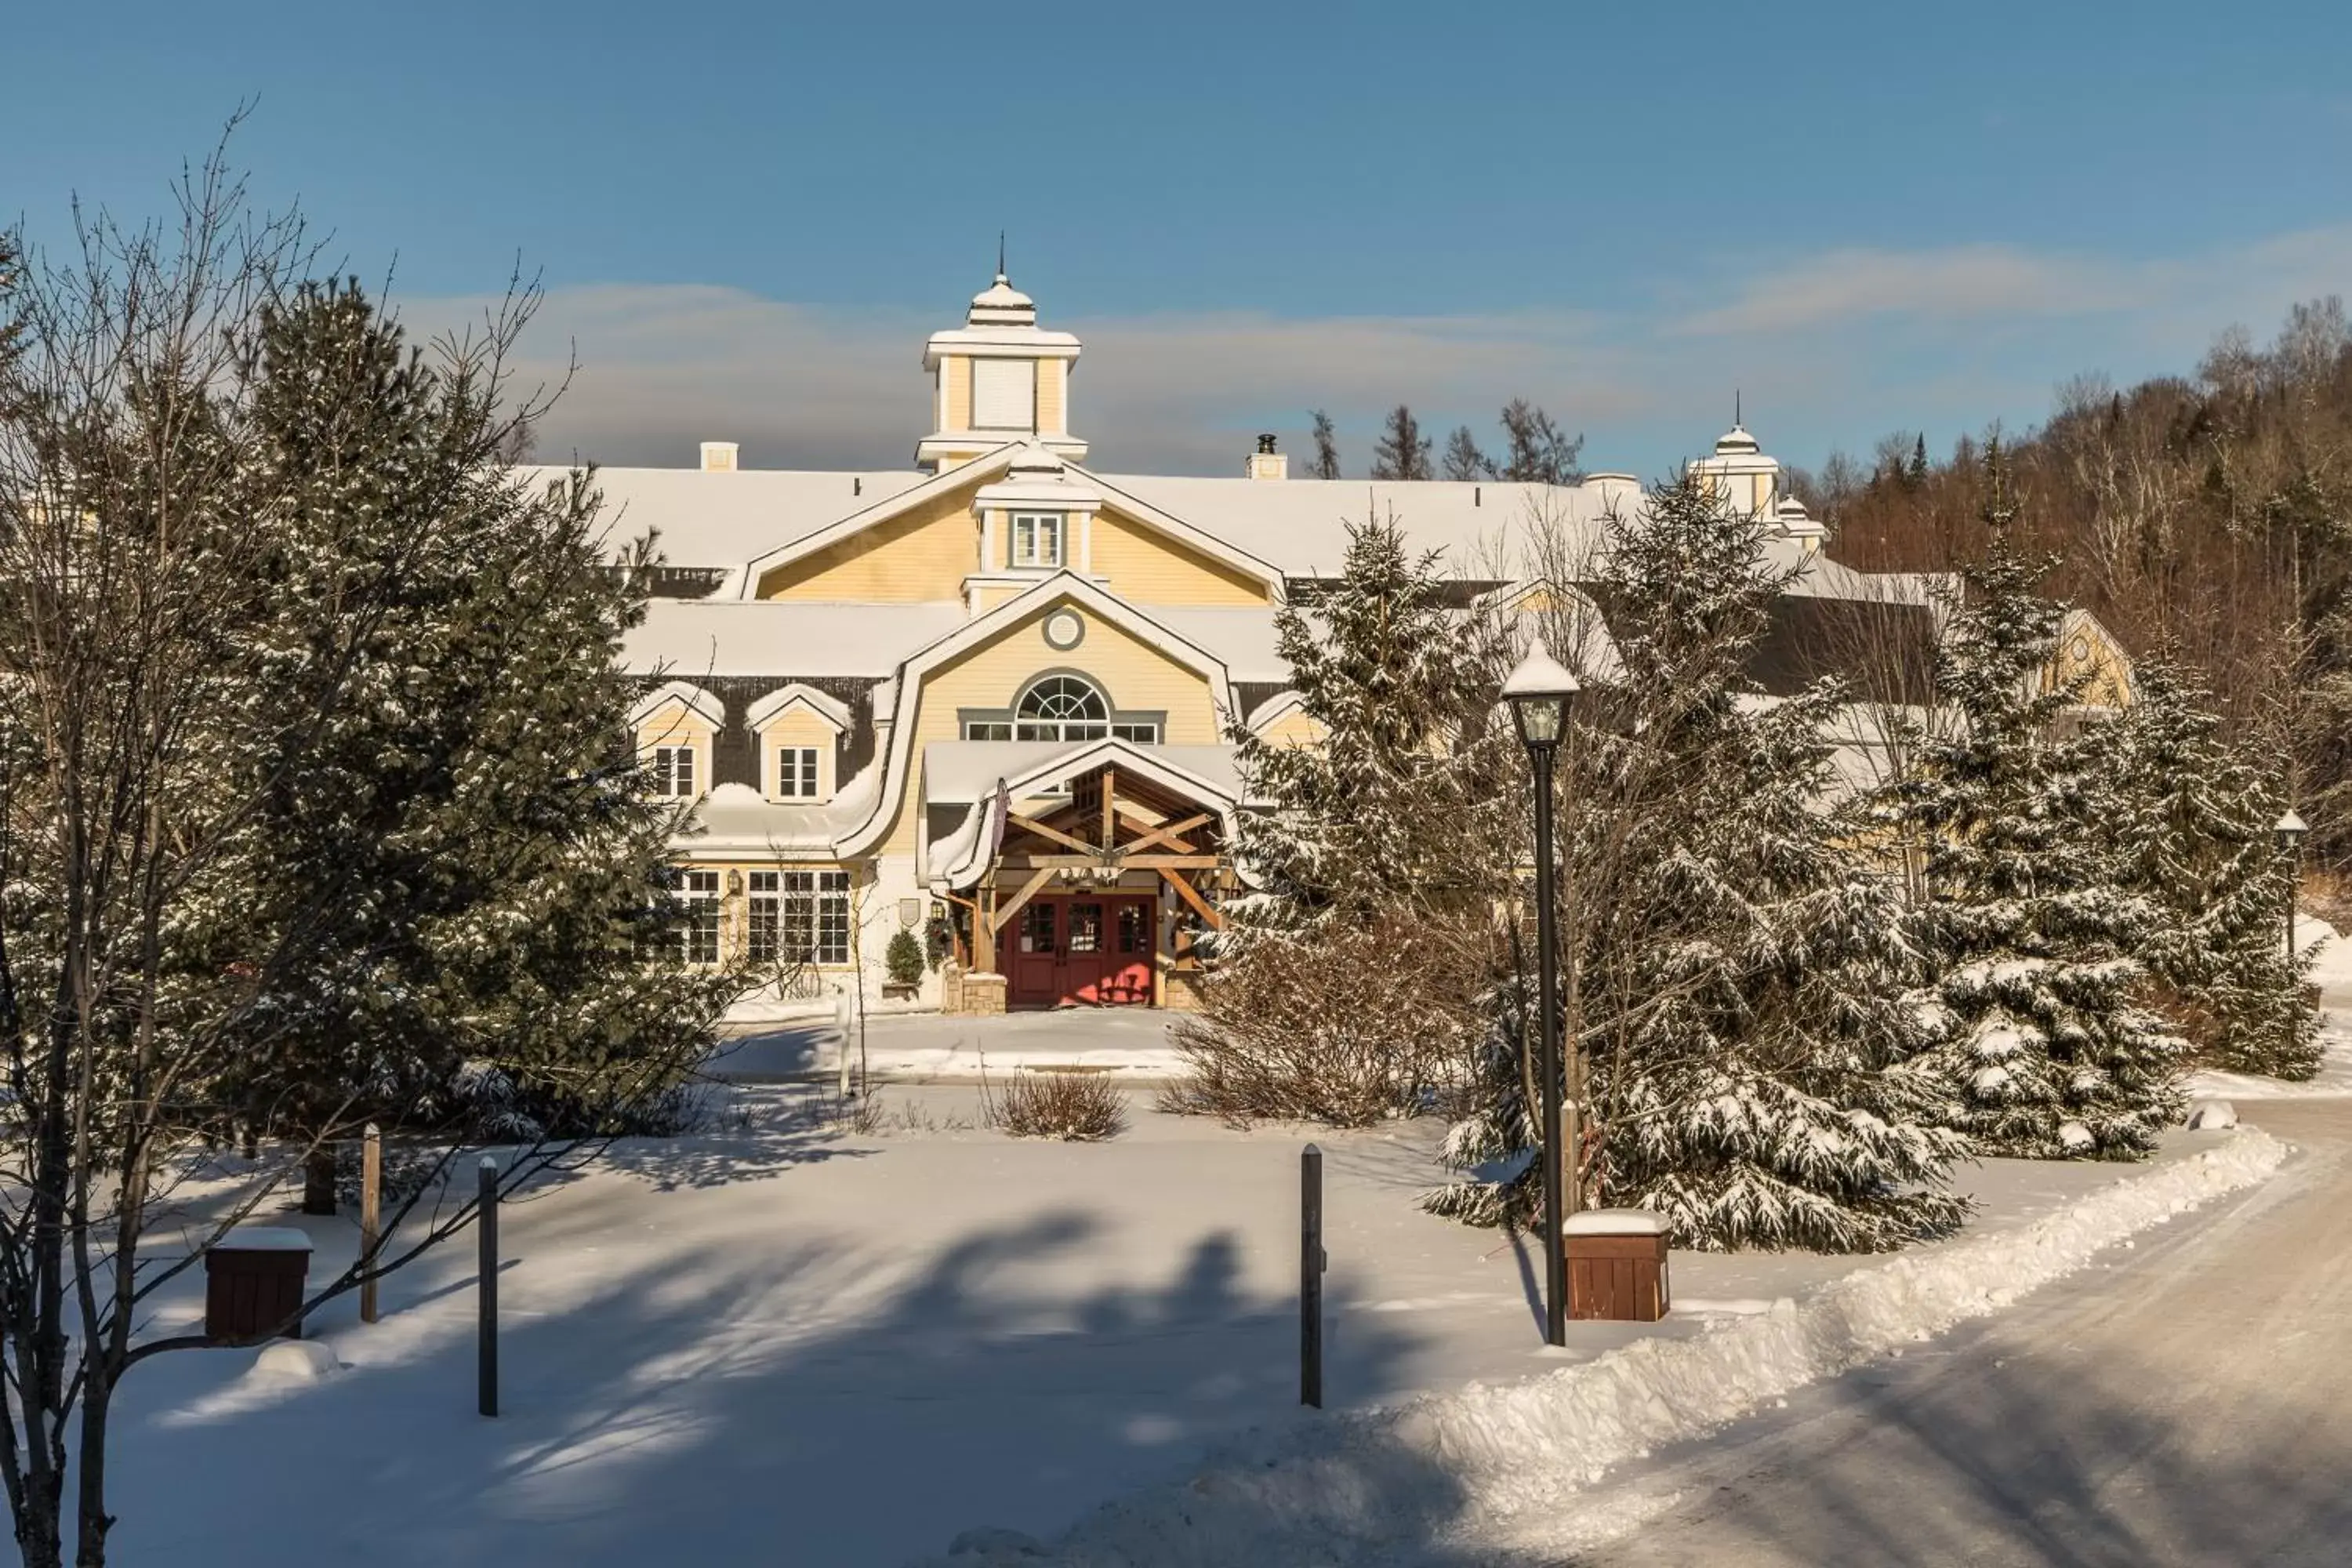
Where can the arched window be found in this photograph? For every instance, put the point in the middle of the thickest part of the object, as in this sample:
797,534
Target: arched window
1062,708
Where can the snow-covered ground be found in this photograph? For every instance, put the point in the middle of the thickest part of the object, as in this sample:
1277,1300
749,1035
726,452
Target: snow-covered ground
2331,970
928,1048
771,1344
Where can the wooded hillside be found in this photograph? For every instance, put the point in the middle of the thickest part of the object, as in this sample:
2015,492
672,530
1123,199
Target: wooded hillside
2211,512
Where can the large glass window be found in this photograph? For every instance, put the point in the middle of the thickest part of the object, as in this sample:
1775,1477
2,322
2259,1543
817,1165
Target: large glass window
1036,538
805,915
700,892
1062,708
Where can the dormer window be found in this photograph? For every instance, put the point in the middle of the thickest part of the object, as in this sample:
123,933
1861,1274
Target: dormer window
1038,539
674,770
796,775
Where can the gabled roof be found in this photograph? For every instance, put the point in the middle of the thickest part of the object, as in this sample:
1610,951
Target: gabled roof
710,637
959,859
687,695
705,518
947,481
832,710
1063,586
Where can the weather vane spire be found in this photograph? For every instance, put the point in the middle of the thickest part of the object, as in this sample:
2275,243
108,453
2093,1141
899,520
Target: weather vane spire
1000,253
1738,423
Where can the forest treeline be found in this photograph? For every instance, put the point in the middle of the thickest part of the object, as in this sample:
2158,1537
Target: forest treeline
2206,514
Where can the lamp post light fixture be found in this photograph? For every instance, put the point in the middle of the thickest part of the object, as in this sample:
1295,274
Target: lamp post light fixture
1539,691
2291,829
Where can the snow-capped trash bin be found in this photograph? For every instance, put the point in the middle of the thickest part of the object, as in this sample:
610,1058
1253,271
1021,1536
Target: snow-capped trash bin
1617,1265
254,1280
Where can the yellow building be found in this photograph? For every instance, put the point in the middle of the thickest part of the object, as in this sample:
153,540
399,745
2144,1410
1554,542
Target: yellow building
991,697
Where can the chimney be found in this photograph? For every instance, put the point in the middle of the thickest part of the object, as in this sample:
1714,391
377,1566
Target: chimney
1265,463
719,456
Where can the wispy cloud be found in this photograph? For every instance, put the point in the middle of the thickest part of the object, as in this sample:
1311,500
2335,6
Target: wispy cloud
1830,349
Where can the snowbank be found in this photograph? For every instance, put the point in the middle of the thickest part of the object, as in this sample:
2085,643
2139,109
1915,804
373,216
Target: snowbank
1478,1460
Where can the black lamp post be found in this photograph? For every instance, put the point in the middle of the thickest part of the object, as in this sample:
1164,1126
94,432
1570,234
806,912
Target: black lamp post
2291,829
1539,691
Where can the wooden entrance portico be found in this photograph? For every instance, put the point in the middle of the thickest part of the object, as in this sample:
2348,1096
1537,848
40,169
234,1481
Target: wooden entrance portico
1083,903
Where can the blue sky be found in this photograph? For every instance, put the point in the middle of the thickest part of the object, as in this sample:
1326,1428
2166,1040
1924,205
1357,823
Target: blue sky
1864,216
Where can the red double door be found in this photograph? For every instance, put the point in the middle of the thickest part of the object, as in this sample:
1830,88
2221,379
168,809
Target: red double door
1081,950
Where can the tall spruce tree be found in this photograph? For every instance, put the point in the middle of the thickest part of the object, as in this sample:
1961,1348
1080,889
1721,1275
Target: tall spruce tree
465,836
1326,448
1402,451
2037,998
2193,824
1463,460
1535,451
1353,977
1739,971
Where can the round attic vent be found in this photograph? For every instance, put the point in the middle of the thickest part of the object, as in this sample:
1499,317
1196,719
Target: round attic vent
1064,629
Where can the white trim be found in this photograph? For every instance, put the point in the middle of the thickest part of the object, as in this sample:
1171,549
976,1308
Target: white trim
1062,586
942,483
772,707
690,697
1272,710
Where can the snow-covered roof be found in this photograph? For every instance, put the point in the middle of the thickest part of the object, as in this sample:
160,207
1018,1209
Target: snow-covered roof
1301,525
1242,635
724,519
957,772
691,638
736,820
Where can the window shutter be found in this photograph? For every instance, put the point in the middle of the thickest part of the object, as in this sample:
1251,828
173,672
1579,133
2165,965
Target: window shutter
1005,394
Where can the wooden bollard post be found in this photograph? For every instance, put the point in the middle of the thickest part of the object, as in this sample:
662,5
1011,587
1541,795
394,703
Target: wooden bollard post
371,1218
486,1220
1312,1261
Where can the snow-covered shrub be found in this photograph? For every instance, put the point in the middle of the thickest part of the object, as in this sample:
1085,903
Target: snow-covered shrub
1076,1107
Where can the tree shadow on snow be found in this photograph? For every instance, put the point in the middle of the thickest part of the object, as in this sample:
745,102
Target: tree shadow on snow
758,1404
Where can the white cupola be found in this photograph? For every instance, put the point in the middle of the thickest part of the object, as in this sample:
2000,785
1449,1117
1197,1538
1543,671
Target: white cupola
1739,472
1793,521
998,377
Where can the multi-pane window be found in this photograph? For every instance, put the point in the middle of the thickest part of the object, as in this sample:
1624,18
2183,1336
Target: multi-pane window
1036,538
796,773
699,891
1062,708
674,770
1142,734
988,730
799,917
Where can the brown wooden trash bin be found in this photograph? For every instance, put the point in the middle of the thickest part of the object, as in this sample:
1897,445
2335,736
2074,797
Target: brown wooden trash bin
1617,1265
254,1279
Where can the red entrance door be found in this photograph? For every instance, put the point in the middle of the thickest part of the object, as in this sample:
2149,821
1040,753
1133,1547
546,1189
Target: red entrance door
1083,950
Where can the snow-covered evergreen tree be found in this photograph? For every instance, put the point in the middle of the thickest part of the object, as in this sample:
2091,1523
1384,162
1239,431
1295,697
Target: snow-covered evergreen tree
2038,996
1739,970
2192,819
1348,981
459,829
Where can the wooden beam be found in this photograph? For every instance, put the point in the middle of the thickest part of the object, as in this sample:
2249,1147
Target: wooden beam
984,930
1031,824
1028,890
1109,803
1172,834
1184,890
1129,862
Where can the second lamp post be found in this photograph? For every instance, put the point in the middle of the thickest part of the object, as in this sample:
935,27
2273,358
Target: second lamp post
1539,691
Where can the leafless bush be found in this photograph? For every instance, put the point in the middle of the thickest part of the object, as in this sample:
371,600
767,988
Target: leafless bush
1077,1108
1344,1025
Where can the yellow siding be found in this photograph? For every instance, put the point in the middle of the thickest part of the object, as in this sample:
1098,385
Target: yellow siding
1050,405
958,369
673,724
921,555
1135,675
1150,568
1295,727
